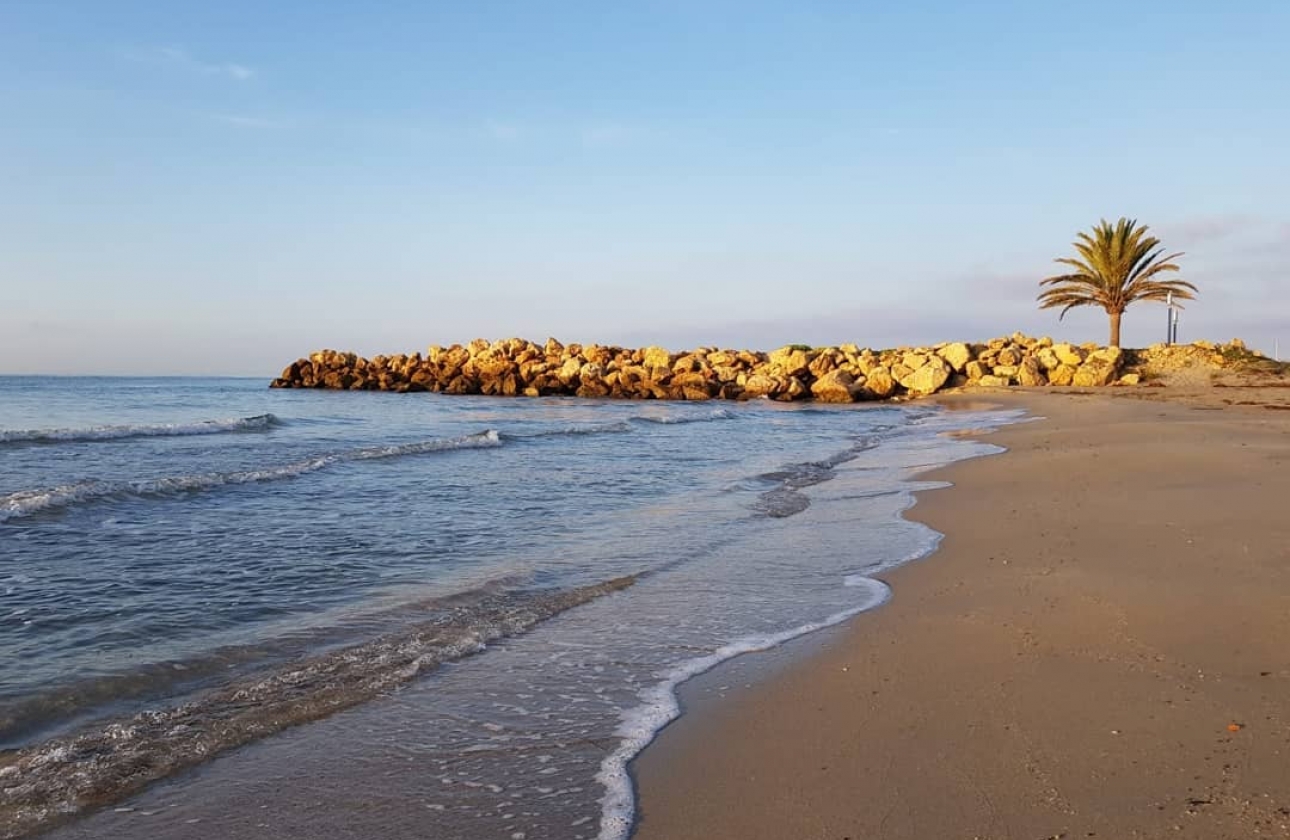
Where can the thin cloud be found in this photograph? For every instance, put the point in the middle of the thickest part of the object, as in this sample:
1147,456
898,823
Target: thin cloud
1234,238
180,58
988,285
1207,228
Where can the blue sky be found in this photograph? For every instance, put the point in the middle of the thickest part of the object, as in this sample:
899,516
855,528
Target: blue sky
220,188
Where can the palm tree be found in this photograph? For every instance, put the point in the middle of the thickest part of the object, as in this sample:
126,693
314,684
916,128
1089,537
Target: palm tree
1117,265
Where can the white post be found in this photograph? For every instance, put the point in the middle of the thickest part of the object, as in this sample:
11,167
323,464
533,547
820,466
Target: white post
1169,318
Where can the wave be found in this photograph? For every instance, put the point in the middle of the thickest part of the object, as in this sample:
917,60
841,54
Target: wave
258,423
621,426
576,430
28,502
65,706
63,776
781,503
659,706
678,419
785,499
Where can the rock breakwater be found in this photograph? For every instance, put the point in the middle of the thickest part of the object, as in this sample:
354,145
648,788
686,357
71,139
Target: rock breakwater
841,374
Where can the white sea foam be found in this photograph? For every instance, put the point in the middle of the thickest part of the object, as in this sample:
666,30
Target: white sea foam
584,429
677,419
575,681
260,422
116,758
28,502
622,426
659,706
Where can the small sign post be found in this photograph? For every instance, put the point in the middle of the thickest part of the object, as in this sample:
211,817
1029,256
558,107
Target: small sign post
1171,319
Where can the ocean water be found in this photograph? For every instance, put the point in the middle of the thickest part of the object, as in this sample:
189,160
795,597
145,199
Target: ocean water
229,611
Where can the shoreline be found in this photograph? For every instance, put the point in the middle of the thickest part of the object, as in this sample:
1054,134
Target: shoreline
1103,643
776,452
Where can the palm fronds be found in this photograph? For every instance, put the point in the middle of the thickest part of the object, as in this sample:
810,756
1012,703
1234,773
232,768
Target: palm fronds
1116,265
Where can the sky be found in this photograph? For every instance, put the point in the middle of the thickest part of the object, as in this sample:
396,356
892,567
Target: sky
220,188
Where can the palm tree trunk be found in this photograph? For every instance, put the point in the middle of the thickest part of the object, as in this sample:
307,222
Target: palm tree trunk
1115,328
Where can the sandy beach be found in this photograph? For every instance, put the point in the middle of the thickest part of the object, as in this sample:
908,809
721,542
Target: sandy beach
1100,648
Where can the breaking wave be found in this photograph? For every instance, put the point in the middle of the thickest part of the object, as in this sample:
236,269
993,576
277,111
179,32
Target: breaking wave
785,499
623,426
258,423
575,430
56,779
28,502
659,706
677,419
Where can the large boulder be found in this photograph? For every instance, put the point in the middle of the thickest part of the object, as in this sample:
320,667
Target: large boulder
1108,355
1101,367
726,374
1047,358
822,364
762,385
461,385
1029,374
795,389
1062,375
956,355
790,361
836,386
593,389
510,385
1068,354
490,366
694,383
879,384
913,359
599,354
689,363
568,373
928,379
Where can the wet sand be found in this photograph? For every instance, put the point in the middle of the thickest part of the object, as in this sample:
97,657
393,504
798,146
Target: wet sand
1100,648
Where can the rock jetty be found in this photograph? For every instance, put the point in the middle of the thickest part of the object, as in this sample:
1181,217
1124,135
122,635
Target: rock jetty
842,374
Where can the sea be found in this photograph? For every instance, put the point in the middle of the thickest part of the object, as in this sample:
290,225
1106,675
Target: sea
229,611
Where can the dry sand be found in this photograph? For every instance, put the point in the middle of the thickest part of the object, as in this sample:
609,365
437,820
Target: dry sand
1100,648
